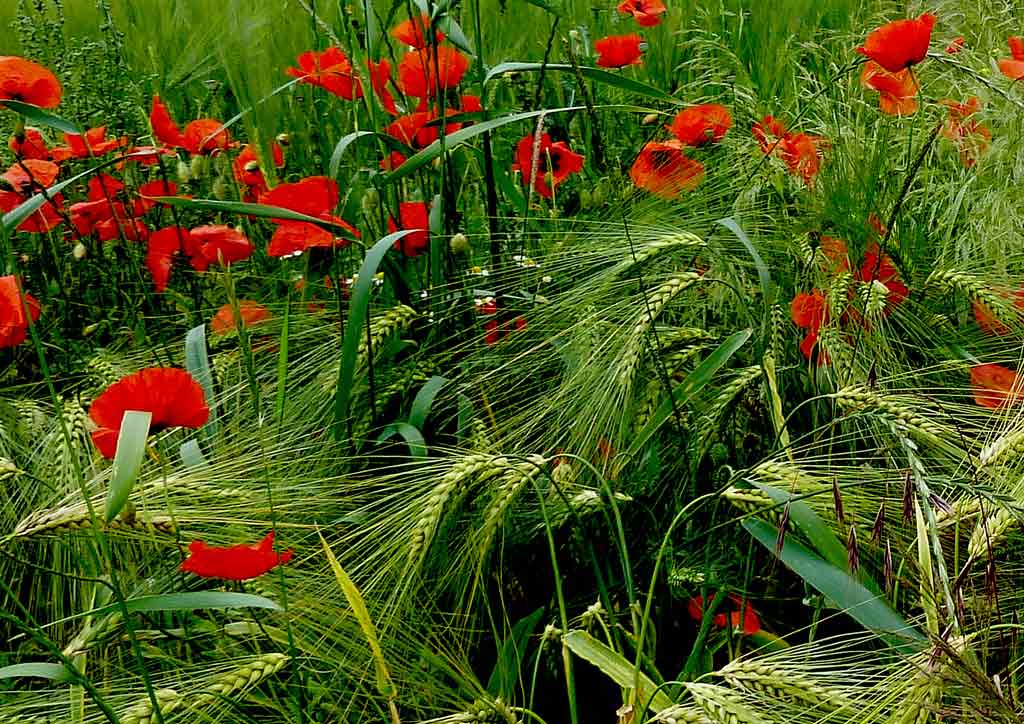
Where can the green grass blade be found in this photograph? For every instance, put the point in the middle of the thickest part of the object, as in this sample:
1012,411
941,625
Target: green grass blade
131,446
36,116
763,274
616,667
511,655
263,211
197,363
817,531
53,672
191,455
349,138
358,309
424,400
282,364
870,611
413,438
597,74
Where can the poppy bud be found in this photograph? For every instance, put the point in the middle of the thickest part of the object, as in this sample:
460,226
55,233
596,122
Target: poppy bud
585,199
220,189
90,329
184,172
459,244
79,251
284,139
199,166
649,119
371,199
597,197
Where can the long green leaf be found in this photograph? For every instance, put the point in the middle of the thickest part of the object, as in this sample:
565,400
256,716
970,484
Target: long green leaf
817,531
197,363
870,611
424,400
413,437
263,211
349,138
601,76
189,601
693,383
36,116
509,665
282,363
192,455
53,672
131,446
616,667
447,25
763,274
358,309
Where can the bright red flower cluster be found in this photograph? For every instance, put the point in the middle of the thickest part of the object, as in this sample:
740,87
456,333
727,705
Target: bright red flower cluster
801,152
1013,67
618,51
740,617
543,164
315,196
234,563
647,13
202,137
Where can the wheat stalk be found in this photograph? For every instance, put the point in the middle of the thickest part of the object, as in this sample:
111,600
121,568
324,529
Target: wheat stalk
70,519
782,685
515,477
720,705
990,532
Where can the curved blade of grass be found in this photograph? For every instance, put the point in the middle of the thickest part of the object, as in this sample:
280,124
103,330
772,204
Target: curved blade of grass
355,601
38,117
282,363
601,76
197,363
53,672
191,455
194,600
358,309
762,269
413,438
616,667
424,400
348,139
263,211
696,380
447,25
506,671
870,611
131,446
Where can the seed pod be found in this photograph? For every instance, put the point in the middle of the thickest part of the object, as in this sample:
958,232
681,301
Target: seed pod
79,252
199,166
184,172
370,200
459,244
220,189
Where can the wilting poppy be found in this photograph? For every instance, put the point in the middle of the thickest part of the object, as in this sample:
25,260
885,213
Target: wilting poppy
834,250
222,244
698,125
162,248
742,619
879,267
555,161
995,386
989,322
413,32
234,563
172,395
422,73
93,142
249,174
618,51
329,69
663,169
249,311
899,44
897,91
412,215
810,312
967,134
801,152
29,144
955,45
646,12
28,82
769,132
25,179
14,322
1013,67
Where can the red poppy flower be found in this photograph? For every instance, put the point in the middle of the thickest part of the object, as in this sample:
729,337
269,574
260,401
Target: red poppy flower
879,267
967,134
172,395
222,244
144,155
380,74
618,51
247,171
897,91
206,136
801,152
836,253
294,237
555,161
769,132
646,12
664,170
162,248
145,203
899,44
14,322
392,161
877,225
117,227
92,143
86,215
421,73
698,125
250,312
25,179
329,69
810,312
743,618
164,128
995,386
1013,67
28,82
407,129
31,175
955,46
234,563
313,196
412,215
495,332
413,32
987,320
29,144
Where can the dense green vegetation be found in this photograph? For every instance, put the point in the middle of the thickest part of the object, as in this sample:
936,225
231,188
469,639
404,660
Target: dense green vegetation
714,417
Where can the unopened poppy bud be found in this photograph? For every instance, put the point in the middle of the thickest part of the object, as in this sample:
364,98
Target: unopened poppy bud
574,35
459,244
90,329
199,166
436,163
252,166
284,139
649,119
220,189
184,172
79,251
585,199
371,199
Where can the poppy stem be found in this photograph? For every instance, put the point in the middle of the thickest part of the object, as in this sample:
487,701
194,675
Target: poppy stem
596,144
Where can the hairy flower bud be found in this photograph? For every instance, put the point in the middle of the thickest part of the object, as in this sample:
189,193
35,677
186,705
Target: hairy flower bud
459,244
